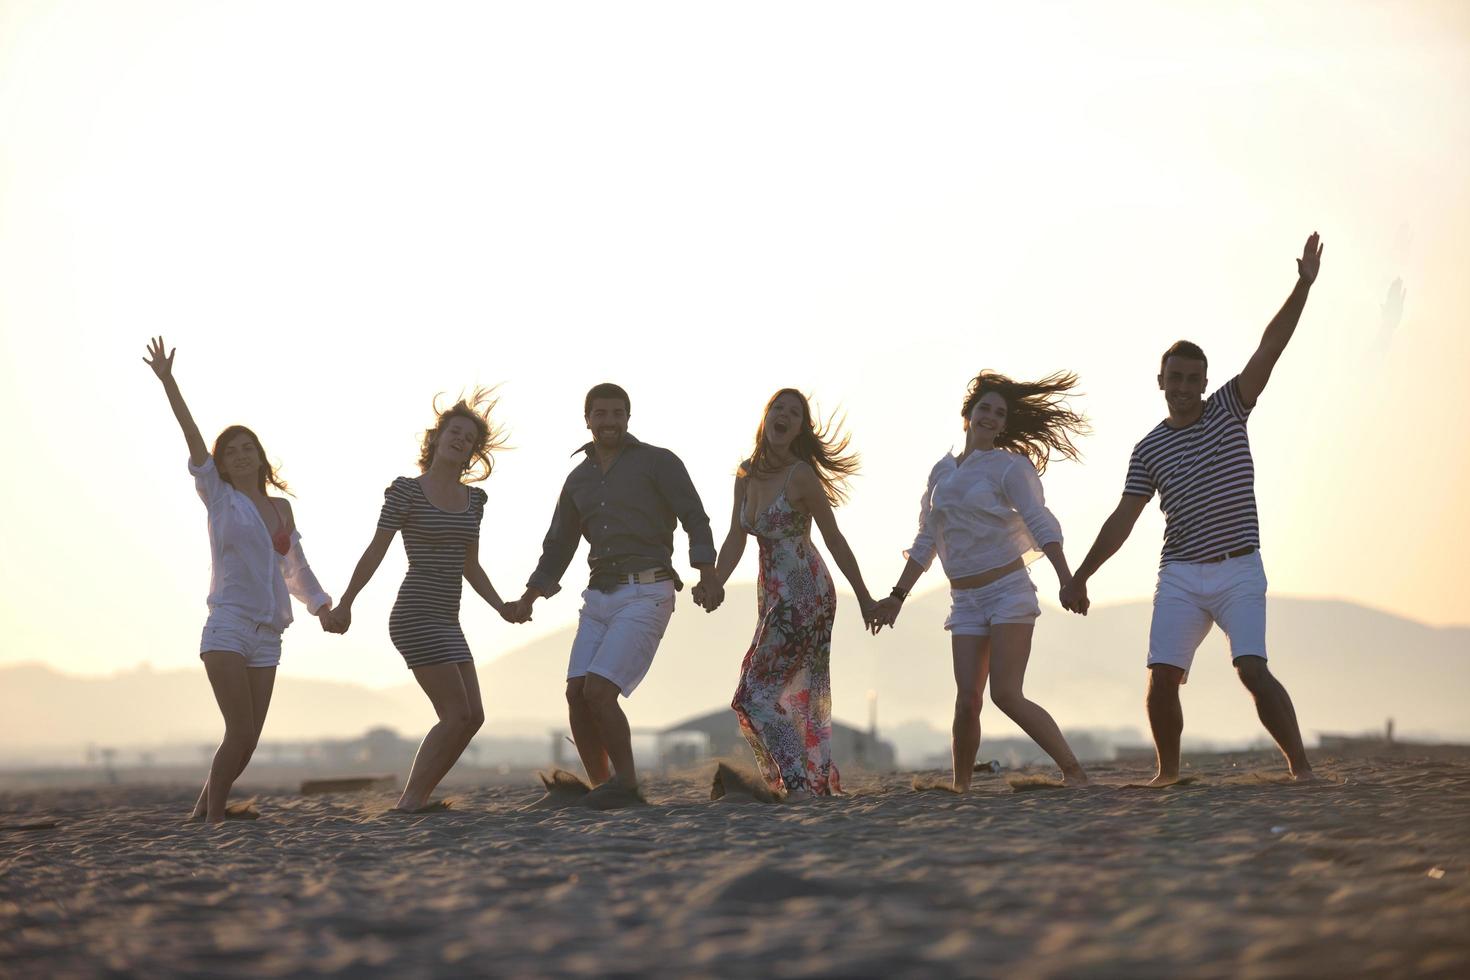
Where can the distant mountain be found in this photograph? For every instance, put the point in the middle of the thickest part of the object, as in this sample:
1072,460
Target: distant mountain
1348,669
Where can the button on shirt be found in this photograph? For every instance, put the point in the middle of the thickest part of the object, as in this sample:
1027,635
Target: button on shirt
246,574
982,513
627,515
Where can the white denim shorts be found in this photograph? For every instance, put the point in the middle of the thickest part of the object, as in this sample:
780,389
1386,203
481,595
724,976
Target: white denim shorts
259,644
1191,597
1012,599
618,632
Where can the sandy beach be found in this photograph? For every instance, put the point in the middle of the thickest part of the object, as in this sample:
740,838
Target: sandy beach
1366,873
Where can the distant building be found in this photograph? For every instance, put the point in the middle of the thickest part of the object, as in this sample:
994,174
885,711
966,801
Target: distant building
718,734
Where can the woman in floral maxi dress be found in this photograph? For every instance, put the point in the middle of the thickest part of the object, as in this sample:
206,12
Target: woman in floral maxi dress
784,701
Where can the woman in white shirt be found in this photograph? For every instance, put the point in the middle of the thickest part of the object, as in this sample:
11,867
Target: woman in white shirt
256,564
983,513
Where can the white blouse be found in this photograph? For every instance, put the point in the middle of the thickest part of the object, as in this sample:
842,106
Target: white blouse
983,513
246,575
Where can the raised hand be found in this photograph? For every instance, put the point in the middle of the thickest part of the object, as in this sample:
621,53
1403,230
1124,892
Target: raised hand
161,365
1311,260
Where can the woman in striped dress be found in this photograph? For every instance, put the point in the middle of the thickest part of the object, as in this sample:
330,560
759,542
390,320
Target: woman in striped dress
439,516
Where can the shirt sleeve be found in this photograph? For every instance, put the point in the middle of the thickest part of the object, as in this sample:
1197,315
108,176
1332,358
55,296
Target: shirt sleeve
478,498
678,490
301,581
208,484
1138,483
1228,396
559,546
396,504
1022,487
922,551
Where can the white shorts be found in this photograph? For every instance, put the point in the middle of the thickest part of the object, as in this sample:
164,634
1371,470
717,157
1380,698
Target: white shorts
618,632
1191,597
1012,599
259,644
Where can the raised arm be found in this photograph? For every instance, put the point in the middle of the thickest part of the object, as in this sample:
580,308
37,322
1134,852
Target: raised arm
163,367
1110,538
1278,332
810,496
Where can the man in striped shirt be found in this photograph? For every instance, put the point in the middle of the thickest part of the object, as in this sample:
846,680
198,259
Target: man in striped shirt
1198,460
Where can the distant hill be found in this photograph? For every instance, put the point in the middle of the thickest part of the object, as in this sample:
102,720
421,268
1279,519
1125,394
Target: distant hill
1348,668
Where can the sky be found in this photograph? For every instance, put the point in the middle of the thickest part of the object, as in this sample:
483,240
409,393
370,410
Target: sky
336,211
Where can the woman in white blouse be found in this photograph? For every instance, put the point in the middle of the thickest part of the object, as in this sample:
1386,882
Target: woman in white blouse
256,564
984,515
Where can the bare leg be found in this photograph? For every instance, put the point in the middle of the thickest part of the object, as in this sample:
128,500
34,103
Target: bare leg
262,682
601,696
971,667
441,747
585,733
1010,650
1273,706
1166,718
231,684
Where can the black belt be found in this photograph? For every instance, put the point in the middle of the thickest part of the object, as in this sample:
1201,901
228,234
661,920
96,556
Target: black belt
648,577
1237,553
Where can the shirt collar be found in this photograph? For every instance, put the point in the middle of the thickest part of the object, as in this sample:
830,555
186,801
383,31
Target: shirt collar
629,441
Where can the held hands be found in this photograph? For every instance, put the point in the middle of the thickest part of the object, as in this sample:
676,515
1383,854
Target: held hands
162,366
519,611
1311,260
884,613
707,593
337,620
1073,596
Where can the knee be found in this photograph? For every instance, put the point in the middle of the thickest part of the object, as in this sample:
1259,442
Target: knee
476,719
1253,672
1008,701
600,695
967,704
575,698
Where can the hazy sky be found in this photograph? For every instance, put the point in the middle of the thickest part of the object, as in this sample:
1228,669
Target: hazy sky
337,210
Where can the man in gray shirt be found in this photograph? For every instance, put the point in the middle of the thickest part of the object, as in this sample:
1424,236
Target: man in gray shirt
624,498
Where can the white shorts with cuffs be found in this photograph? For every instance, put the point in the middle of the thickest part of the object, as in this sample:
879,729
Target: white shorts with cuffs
1192,596
618,632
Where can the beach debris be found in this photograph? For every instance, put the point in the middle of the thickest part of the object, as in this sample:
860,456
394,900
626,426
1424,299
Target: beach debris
1436,873
733,785
347,784
1278,829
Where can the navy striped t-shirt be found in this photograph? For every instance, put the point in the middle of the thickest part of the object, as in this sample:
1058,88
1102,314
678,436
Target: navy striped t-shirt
1205,479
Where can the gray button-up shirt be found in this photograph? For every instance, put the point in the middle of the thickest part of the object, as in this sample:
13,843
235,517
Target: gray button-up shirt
627,514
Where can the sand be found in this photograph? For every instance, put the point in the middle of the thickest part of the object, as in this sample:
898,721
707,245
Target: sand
1367,873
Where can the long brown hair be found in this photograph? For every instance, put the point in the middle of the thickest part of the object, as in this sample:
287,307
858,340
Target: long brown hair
1038,422
476,408
823,449
265,475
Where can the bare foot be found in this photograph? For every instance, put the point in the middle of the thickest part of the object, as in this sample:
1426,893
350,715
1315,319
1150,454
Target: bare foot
1305,776
1163,779
799,795
613,795
235,811
1078,778
433,806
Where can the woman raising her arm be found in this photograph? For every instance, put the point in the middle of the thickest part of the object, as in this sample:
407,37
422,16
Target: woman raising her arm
256,564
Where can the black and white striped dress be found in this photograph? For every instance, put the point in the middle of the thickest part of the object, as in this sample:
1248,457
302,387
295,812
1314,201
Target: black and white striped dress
424,624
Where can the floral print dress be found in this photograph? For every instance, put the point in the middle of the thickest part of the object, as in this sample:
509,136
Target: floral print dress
784,701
